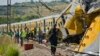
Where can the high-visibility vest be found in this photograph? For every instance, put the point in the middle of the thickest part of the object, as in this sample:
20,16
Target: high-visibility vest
23,34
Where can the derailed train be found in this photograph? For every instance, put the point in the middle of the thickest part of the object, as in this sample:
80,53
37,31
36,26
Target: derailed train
76,22
44,23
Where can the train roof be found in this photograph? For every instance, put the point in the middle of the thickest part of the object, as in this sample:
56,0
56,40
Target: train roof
52,16
3,25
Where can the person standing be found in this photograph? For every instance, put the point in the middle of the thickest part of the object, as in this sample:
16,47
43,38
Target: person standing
17,36
11,33
40,35
27,35
23,36
53,40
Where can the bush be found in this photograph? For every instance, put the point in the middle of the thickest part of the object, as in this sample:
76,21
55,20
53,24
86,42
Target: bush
2,49
8,47
12,51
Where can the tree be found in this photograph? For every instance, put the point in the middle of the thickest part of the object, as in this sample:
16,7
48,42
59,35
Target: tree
63,0
32,1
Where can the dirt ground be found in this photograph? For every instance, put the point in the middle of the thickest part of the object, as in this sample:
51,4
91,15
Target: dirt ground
43,50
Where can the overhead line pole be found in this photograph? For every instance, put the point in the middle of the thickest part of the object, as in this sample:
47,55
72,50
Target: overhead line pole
8,14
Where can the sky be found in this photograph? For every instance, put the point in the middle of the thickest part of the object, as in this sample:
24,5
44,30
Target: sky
4,2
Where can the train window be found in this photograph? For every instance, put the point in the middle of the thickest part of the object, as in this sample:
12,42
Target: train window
48,28
21,25
41,24
18,26
13,26
36,24
49,23
3,29
30,24
25,25
0,29
46,23
54,20
59,24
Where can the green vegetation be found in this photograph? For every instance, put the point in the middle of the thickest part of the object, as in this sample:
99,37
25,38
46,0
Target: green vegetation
2,21
27,11
12,51
18,19
7,47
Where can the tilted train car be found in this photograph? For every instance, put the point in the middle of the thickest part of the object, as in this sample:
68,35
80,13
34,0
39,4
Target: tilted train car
44,23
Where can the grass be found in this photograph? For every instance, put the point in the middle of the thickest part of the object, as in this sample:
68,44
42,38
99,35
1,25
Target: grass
12,51
8,47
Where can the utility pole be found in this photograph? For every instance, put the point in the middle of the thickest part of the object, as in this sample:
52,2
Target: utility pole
8,14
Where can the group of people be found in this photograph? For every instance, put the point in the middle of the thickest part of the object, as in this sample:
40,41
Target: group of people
24,35
21,35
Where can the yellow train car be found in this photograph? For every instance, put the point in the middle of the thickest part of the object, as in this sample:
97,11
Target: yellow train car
45,23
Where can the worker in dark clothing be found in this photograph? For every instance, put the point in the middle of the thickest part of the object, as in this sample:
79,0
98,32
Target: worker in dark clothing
40,36
17,36
35,32
31,35
53,39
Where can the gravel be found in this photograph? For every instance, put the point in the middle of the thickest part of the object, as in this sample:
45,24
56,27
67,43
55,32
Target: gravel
42,50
